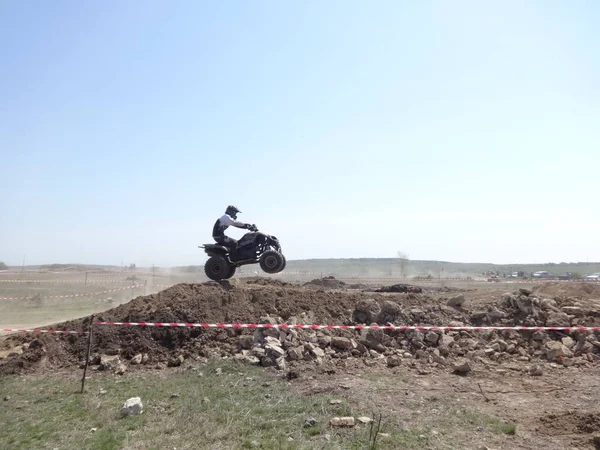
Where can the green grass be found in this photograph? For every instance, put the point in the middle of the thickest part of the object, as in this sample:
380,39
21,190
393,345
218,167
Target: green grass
244,407
454,417
505,428
236,409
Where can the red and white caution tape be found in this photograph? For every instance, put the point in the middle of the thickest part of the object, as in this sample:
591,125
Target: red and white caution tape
35,330
67,281
76,295
285,326
303,327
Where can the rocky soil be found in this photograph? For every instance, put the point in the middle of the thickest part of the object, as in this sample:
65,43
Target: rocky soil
118,348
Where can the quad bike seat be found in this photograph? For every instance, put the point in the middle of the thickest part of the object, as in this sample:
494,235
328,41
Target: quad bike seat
216,246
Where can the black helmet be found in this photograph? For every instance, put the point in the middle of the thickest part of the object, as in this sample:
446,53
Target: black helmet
232,211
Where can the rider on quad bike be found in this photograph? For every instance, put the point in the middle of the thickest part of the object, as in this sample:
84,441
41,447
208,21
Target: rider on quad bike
225,221
228,254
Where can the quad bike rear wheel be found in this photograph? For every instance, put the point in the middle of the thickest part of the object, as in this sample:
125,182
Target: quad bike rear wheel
272,261
217,268
231,271
283,265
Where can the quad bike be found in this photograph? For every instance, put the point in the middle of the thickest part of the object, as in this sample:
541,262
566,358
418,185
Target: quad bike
254,247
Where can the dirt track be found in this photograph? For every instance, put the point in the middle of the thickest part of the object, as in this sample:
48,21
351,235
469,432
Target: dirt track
556,406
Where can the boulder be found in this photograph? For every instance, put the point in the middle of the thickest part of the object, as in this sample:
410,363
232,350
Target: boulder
109,362
347,422
390,308
548,304
456,302
524,304
536,371
137,359
366,311
462,366
342,343
274,350
568,342
272,340
317,352
246,342
394,361
374,339
556,350
280,363
432,337
538,336
494,315
132,407
502,345
574,311
296,353
558,319
446,339
478,316
176,362
508,299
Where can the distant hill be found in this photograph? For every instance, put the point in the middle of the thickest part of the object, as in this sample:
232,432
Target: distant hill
370,267
391,267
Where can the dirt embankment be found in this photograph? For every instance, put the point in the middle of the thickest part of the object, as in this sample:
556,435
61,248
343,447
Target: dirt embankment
296,348
574,290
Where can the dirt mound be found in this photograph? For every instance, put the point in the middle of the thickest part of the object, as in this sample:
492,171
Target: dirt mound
573,289
198,303
401,288
571,423
327,283
283,348
260,281
447,289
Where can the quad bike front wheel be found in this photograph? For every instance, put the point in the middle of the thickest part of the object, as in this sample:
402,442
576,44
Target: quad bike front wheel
217,268
272,261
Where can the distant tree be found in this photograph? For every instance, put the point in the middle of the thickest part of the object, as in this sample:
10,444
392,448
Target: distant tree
403,261
3,266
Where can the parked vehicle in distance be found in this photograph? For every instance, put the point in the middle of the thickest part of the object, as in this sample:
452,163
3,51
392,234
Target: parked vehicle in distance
517,275
566,276
593,277
542,274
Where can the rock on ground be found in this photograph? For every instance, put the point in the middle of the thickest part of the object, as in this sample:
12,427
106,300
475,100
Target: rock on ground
342,422
536,371
132,407
456,302
121,369
367,310
343,343
109,362
394,361
556,350
462,366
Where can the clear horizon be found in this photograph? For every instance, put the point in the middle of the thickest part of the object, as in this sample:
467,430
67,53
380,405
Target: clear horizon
13,266
463,131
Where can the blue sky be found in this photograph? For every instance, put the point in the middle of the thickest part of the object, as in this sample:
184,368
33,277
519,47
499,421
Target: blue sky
461,131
